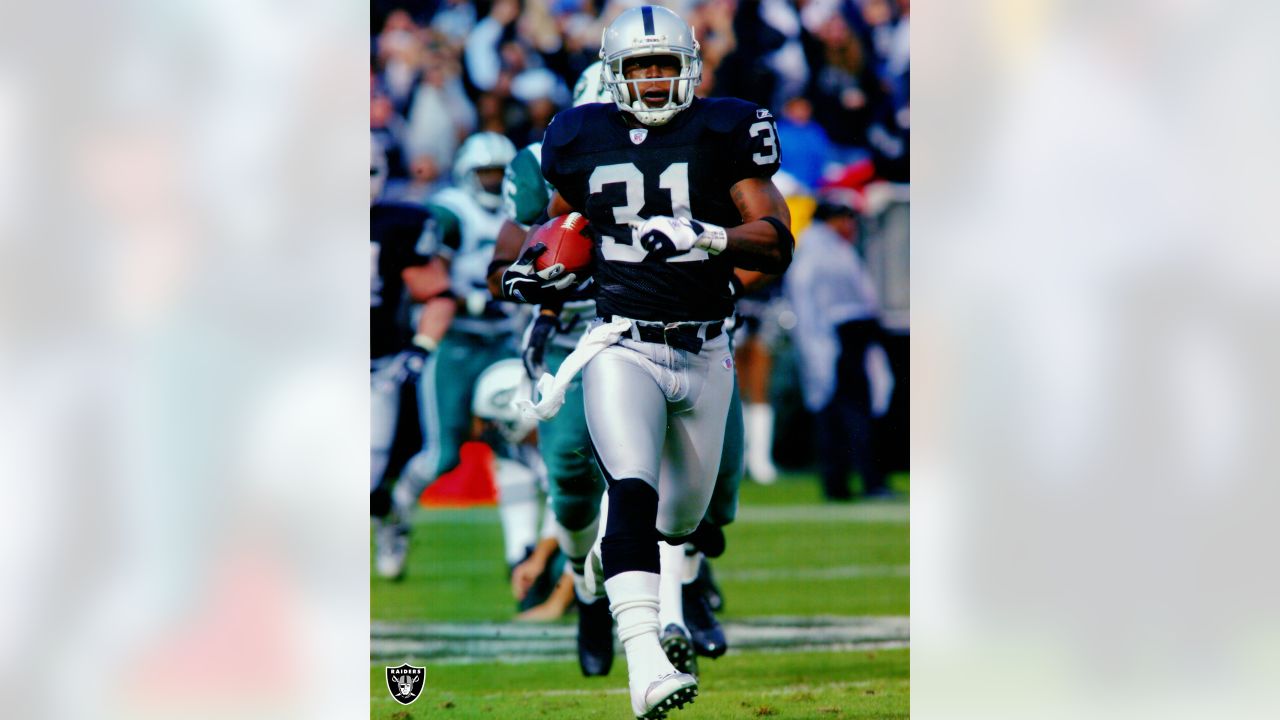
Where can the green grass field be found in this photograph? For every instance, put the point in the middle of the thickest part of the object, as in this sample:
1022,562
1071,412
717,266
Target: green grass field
790,555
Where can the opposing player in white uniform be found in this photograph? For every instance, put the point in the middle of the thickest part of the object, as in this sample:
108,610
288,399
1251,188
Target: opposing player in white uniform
483,330
677,190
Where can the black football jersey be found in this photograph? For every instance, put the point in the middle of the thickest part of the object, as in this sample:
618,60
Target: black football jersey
617,175
400,236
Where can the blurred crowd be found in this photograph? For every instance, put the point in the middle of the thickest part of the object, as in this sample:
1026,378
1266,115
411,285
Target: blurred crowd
825,358
836,72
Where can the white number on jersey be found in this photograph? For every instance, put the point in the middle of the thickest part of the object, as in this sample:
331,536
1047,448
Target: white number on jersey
675,179
770,141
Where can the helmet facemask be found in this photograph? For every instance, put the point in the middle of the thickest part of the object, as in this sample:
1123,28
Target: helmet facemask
681,88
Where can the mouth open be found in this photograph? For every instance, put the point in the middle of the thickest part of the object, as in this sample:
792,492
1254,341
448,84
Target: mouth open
656,97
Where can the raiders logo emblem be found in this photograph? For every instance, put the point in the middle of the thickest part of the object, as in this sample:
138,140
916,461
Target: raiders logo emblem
638,135
405,682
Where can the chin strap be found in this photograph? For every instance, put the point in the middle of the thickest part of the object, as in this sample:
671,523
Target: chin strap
650,116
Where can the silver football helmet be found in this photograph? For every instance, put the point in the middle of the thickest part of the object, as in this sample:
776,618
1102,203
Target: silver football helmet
482,150
650,30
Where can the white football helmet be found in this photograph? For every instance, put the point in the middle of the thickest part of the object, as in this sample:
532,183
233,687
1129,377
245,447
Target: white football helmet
482,150
590,87
497,389
650,30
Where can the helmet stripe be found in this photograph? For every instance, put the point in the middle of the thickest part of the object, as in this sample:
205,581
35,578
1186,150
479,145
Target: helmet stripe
647,12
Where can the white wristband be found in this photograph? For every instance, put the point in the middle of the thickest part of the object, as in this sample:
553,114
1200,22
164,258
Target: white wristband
713,239
426,342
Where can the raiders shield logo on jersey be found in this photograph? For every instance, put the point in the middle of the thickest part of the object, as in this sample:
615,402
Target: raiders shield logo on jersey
638,135
405,682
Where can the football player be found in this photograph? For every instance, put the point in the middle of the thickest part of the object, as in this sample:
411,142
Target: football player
678,192
483,330
402,244
688,620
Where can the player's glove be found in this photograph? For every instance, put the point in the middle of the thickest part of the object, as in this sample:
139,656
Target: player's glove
663,237
535,350
522,283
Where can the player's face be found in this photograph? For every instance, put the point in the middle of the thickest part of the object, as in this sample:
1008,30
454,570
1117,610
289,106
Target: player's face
656,67
490,179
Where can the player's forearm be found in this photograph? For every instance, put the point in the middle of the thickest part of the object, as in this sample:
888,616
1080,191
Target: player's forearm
759,245
426,281
433,323
763,241
510,237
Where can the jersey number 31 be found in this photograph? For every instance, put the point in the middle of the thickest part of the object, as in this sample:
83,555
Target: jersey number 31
675,179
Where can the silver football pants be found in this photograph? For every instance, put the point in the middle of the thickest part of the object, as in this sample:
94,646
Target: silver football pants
658,414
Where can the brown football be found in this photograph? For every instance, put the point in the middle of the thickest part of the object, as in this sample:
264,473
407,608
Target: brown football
567,243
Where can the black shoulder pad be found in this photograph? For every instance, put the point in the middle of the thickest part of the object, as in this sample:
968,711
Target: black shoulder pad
564,127
724,114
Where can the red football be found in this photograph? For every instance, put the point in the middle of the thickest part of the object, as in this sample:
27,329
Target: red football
566,243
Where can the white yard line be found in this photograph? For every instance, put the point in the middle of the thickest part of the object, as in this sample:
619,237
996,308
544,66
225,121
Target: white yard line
857,513
508,642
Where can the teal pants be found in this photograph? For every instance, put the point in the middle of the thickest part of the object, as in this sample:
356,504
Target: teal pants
444,400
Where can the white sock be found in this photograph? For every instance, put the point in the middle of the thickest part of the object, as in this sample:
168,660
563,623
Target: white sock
580,588
633,599
692,560
671,602
576,544
519,508
759,426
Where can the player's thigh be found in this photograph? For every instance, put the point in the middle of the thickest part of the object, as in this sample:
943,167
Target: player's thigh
724,499
694,444
626,414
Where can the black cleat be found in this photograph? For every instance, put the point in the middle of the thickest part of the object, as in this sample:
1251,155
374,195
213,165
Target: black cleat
704,630
679,649
595,638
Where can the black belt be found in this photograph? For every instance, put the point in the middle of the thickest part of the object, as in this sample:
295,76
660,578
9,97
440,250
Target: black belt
679,335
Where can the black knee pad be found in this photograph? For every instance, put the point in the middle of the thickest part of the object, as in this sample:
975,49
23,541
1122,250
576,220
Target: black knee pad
630,537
